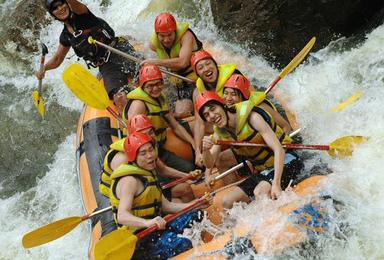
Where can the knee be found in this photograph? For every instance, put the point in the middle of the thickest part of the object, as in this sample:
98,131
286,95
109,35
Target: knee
227,202
263,188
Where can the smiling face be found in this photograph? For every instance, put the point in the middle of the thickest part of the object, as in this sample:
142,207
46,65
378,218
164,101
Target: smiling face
207,70
231,96
154,87
146,157
215,114
60,10
167,38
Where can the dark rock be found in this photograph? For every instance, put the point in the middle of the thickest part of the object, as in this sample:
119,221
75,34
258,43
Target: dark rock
278,29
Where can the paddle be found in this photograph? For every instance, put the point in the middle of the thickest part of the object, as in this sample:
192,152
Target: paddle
88,89
350,100
55,229
121,244
133,58
293,64
341,147
36,95
190,176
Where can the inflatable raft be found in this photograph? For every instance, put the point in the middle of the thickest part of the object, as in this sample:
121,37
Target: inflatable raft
97,129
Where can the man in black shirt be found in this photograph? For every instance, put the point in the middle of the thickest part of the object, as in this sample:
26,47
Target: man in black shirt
79,24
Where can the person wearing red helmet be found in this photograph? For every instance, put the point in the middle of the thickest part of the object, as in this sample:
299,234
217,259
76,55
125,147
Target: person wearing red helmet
80,23
246,122
116,156
174,42
148,99
238,88
137,202
212,77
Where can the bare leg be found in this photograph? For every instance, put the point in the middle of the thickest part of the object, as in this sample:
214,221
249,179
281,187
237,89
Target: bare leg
235,195
225,161
262,189
182,191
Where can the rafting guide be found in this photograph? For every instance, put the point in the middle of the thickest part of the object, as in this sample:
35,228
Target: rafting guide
80,23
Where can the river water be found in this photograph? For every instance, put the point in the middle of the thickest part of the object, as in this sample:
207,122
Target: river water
38,180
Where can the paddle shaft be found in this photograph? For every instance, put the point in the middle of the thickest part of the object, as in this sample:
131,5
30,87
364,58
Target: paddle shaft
133,58
290,146
295,61
42,61
115,115
171,217
88,216
183,179
44,51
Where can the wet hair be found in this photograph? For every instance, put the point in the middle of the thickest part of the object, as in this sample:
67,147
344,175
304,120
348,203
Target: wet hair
210,104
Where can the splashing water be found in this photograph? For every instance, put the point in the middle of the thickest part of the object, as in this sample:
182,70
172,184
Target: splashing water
42,185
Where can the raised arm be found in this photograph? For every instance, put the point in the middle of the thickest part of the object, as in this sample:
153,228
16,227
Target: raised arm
77,7
55,61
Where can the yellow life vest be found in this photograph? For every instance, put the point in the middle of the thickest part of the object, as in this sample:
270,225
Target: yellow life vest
157,109
182,28
145,205
260,157
225,71
257,97
105,177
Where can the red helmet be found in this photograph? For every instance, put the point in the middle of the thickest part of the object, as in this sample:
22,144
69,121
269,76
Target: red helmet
204,98
239,82
138,123
149,72
133,143
165,22
198,56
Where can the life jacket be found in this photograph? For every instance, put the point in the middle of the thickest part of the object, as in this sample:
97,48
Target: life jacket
157,109
145,205
258,97
161,52
225,71
261,157
105,177
91,52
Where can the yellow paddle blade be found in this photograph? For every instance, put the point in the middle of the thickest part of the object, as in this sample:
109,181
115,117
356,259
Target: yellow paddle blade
50,232
343,146
85,86
350,100
299,57
39,103
117,245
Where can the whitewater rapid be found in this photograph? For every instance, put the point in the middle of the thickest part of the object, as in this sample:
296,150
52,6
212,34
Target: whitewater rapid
325,79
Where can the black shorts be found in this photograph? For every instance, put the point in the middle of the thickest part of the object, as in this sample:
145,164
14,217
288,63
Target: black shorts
116,71
292,168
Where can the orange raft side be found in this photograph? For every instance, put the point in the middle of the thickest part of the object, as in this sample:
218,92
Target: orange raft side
96,130
292,230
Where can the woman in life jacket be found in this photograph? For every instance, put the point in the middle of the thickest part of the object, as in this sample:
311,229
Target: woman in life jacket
80,23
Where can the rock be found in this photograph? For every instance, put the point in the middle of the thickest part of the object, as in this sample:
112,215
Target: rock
279,29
